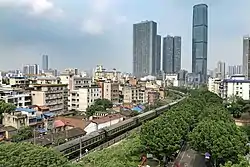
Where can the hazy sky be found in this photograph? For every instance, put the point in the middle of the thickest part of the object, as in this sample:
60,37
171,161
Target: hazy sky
83,33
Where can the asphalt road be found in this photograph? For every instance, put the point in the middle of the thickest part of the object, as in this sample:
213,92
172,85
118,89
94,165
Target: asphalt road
190,158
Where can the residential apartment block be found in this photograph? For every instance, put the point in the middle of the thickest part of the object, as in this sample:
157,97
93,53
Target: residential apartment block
55,96
135,94
235,86
110,91
82,98
18,97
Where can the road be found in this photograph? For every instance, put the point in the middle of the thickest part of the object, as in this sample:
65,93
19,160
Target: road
190,158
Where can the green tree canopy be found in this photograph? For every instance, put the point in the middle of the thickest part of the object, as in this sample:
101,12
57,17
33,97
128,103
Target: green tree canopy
98,105
22,134
126,154
5,108
28,155
225,141
242,163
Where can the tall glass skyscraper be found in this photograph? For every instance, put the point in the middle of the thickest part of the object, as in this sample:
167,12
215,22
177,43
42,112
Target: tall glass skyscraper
45,62
144,48
199,41
171,54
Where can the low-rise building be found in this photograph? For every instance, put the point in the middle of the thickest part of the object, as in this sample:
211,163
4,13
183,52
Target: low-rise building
18,97
103,74
55,96
110,91
82,98
171,80
75,81
214,85
135,94
153,96
15,119
235,86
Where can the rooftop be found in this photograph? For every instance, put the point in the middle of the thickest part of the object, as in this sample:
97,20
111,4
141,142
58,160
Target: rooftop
107,118
236,80
25,110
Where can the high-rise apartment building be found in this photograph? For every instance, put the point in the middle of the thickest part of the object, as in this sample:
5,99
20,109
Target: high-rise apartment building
158,55
236,69
221,70
177,54
31,69
199,41
171,54
144,48
45,62
246,57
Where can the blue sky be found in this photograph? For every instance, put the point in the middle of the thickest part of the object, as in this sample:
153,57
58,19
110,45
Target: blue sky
84,33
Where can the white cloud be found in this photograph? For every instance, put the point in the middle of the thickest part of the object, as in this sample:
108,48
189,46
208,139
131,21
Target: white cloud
34,7
102,15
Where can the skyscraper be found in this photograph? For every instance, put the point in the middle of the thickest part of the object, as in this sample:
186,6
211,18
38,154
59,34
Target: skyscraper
171,54
177,54
45,62
144,48
236,69
221,70
158,55
246,57
199,41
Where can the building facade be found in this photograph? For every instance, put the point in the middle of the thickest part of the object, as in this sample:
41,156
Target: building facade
158,55
199,41
220,70
171,54
235,86
235,69
144,46
246,57
45,62
54,96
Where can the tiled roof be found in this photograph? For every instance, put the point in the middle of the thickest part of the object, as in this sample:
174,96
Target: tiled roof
73,121
45,140
58,123
107,118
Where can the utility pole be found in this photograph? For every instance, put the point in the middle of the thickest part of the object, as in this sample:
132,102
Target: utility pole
80,147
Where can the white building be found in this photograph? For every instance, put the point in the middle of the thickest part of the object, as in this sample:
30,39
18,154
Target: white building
83,97
214,85
15,96
75,82
103,122
171,80
235,86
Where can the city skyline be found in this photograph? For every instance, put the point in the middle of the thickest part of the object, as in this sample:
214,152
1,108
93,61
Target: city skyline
62,32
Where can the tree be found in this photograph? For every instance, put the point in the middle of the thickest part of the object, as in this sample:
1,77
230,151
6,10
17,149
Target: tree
5,108
127,153
22,134
29,155
223,140
105,103
161,137
242,163
98,105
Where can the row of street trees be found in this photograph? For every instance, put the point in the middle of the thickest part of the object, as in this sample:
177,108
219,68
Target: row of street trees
203,121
